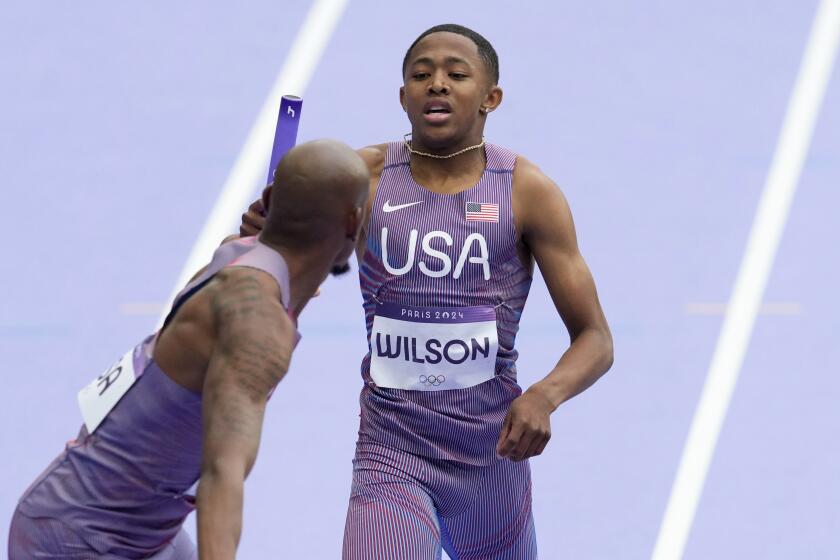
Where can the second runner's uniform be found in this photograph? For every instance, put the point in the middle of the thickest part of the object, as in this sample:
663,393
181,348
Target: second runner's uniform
443,288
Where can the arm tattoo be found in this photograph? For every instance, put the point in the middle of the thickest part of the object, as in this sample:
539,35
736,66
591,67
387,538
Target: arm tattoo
254,338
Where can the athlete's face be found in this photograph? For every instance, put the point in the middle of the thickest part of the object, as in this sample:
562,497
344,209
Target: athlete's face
447,88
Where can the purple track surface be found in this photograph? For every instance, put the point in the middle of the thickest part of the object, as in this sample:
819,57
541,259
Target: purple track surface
120,122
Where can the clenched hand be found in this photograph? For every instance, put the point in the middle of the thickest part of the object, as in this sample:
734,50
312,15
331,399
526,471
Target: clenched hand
254,219
527,427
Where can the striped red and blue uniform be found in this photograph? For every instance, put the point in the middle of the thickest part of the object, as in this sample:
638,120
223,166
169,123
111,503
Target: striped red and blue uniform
426,475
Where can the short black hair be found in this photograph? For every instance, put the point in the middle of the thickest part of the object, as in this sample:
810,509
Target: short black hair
485,50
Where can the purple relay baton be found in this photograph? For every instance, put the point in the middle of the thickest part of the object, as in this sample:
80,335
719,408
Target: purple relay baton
285,135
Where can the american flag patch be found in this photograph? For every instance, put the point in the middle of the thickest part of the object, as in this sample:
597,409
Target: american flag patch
482,212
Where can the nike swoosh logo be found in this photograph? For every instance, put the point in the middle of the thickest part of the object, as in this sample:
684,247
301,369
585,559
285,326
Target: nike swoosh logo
388,208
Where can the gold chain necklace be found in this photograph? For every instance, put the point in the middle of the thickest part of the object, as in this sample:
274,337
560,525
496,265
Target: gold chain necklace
435,156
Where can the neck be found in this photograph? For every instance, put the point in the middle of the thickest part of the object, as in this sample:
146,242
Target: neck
470,142
307,271
453,172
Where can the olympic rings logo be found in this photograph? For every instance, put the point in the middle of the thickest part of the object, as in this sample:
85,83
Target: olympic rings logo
432,380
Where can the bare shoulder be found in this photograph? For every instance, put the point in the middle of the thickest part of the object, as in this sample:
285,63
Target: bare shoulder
251,323
238,310
374,157
241,296
536,197
529,181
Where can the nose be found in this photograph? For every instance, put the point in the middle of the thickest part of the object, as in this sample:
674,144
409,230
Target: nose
438,84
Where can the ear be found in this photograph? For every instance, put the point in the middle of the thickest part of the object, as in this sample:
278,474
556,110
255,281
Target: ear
493,98
354,220
402,97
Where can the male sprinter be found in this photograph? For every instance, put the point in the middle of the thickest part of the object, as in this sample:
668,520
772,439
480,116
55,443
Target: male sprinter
454,228
119,490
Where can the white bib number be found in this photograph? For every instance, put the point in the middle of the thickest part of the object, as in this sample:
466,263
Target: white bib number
432,348
97,399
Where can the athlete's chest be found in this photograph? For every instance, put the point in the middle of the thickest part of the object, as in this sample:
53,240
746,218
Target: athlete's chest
418,232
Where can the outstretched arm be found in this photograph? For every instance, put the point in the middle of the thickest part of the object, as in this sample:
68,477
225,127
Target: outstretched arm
254,341
549,233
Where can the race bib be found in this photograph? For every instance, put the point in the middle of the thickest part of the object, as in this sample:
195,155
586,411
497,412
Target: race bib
433,348
97,399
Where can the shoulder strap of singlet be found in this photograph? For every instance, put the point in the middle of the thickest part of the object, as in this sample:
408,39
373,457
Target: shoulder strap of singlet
247,251
397,154
269,261
222,256
499,159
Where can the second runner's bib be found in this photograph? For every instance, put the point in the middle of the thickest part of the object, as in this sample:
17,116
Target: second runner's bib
433,348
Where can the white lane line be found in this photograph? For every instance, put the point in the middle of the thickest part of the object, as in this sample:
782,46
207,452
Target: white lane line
791,150
249,169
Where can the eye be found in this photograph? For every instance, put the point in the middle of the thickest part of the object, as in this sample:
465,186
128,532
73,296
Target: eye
457,75
420,75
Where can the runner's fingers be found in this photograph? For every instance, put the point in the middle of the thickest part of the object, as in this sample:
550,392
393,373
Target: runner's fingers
246,230
526,442
265,200
537,445
252,223
541,447
511,440
503,435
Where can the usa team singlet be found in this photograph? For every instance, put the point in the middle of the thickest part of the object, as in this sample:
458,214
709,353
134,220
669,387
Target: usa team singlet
443,288
121,488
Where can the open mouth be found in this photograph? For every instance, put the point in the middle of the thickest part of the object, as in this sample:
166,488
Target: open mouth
437,111
437,108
